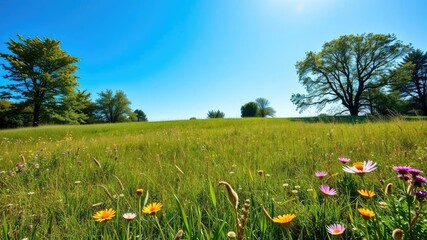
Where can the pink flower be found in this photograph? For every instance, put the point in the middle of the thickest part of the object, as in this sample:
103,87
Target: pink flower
336,229
361,168
320,174
344,160
328,191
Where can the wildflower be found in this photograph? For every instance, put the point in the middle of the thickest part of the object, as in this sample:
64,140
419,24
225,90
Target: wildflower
129,216
77,182
284,220
402,169
404,177
328,191
320,174
383,204
285,185
139,191
336,229
294,191
231,234
419,180
414,172
104,215
397,234
297,187
366,213
366,193
420,193
344,160
361,168
152,208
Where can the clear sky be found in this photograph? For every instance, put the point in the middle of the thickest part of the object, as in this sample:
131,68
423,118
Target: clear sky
177,59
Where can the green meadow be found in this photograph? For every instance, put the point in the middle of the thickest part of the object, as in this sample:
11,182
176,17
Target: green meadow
55,178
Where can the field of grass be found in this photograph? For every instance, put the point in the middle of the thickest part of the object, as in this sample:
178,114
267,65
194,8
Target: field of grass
55,178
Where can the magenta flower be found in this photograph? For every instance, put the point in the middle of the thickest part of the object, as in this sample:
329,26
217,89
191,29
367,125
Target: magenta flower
419,193
414,171
328,191
344,160
404,177
419,180
402,169
321,174
361,168
336,229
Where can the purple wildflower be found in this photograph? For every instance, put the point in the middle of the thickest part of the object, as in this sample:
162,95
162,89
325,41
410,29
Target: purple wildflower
402,169
321,174
344,160
328,191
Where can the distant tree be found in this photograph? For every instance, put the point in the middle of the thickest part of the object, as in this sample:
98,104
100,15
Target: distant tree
345,69
42,74
113,107
264,109
215,114
250,109
413,89
140,116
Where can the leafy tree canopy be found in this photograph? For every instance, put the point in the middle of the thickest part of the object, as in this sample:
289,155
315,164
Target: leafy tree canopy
41,74
114,107
250,109
345,69
264,109
215,114
140,115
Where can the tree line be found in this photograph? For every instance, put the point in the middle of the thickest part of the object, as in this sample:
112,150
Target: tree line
42,89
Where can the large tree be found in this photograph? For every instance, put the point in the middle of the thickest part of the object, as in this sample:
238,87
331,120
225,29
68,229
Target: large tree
346,69
264,110
40,72
114,107
414,89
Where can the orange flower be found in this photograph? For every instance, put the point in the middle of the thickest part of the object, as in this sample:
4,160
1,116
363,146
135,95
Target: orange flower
366,193
366,213
152,208
139,191
284,220
104,215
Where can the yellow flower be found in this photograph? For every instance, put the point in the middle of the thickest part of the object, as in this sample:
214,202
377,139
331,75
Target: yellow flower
366,213
104,215
284,220
366,193
152,208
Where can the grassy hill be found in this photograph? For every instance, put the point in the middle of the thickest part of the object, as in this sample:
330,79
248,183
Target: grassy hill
54,178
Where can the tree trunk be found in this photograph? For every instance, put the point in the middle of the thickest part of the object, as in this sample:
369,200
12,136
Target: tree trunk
354,111
36,114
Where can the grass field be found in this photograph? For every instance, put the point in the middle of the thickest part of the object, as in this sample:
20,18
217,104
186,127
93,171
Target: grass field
55,178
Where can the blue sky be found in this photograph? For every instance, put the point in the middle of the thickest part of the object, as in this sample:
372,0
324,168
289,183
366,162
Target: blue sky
177,59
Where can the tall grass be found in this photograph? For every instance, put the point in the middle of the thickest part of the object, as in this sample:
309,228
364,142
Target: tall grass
70,172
